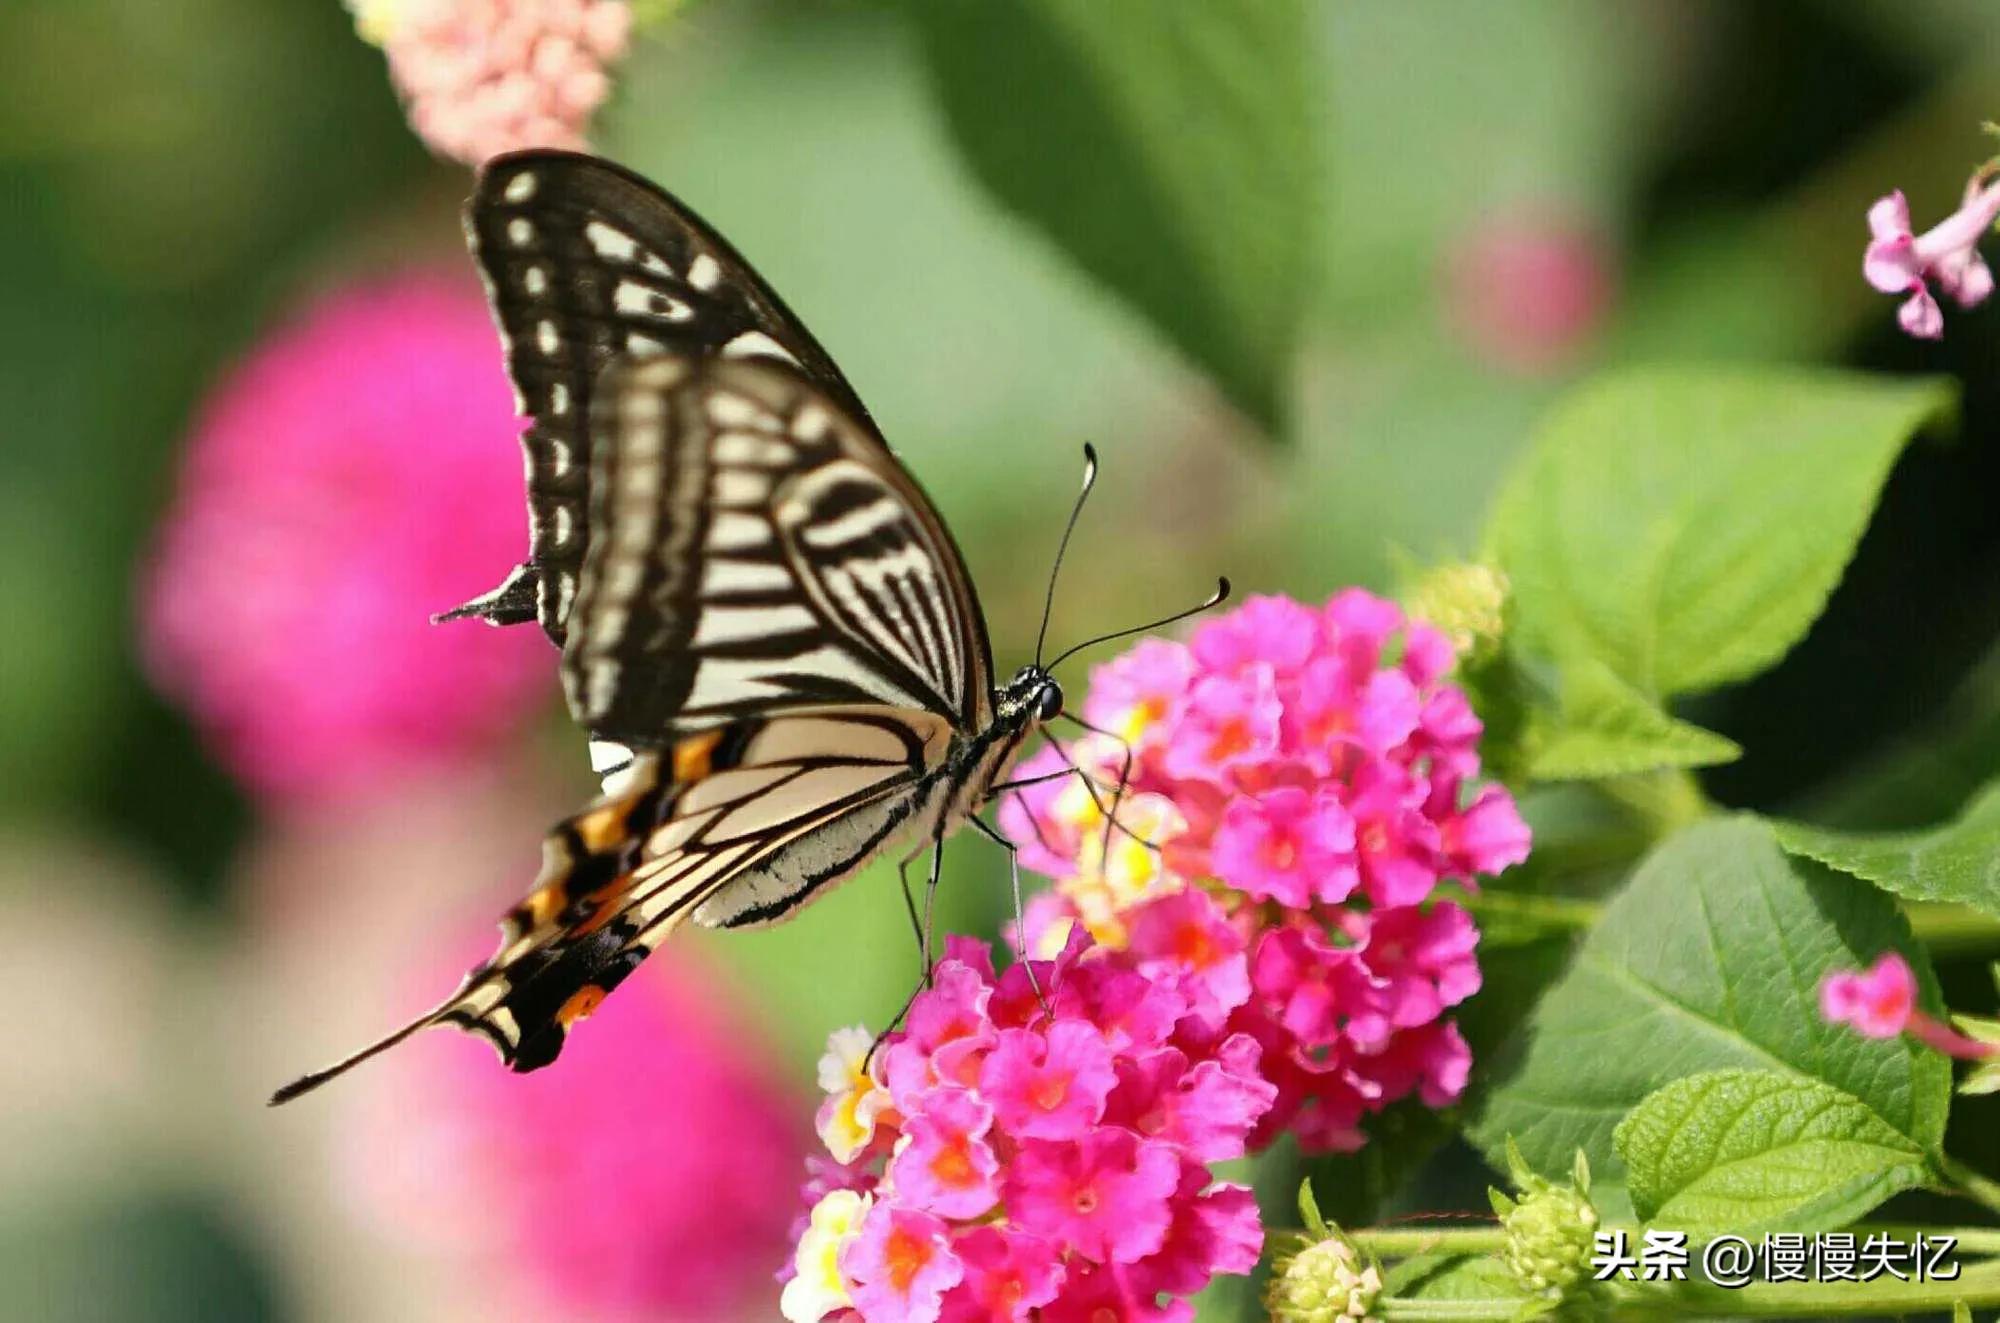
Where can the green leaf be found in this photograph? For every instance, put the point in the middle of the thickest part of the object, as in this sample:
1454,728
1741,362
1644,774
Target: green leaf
1166,149
1957,862
1684,526
1604,728
1710,959
1747,1151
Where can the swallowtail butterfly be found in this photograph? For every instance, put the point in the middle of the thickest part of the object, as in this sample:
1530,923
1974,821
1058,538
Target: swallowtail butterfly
766,629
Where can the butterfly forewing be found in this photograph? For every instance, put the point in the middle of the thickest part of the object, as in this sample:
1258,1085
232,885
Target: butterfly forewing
754,548
584,263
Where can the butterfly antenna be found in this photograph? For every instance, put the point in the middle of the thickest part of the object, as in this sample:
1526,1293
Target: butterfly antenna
1062,548
1217,598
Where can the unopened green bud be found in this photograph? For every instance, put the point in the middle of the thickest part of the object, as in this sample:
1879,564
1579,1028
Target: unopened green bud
1467,602
1321,1281
1551,1229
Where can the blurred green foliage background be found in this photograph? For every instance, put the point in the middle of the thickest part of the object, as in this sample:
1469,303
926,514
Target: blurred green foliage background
179,175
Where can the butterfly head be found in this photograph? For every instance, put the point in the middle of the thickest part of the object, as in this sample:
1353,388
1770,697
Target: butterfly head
1031,696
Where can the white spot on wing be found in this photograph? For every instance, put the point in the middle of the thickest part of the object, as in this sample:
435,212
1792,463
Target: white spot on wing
535,280
704,272
611,243
721,576
755,344
546,338
726,409
519,232
521,187
730,531
558,399
733,624
741,487
637,300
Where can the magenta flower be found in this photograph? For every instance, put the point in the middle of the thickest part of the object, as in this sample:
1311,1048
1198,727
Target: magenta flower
356,473
1049,1085
1095,1120
1321,774
1881,1002
481,77
901,1264
1007,1274
649,1156
1287,845
1900,262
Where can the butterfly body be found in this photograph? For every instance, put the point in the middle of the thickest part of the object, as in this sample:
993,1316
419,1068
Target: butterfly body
762,618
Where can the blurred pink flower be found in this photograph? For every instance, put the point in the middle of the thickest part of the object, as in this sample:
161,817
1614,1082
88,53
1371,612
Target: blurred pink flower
634,1182
355,473
1900,262
1530,292
1881,1002
1036,1162
1315,763
481,77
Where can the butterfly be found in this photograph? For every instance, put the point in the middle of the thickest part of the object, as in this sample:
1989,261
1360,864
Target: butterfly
766,628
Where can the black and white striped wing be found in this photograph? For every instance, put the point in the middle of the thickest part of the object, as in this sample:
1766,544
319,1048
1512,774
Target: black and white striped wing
754,548
585,262
731,827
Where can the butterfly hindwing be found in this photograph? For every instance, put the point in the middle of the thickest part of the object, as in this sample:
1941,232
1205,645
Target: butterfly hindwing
753,548
733,826
585,262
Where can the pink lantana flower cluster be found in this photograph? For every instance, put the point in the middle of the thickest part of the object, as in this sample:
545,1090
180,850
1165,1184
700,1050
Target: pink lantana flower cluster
353,475
481,77
1947,255
1031,1147
1302,782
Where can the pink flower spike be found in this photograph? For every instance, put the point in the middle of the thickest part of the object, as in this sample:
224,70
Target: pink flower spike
1049,1086
1877,1002
1287,845
945,1166
1900,262
901,1265
1109,1195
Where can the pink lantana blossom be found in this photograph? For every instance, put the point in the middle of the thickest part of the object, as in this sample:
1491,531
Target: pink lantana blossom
1881,1002
356,473
1072,1168
1323,776
1900,262
1288,845
482,77
649,1152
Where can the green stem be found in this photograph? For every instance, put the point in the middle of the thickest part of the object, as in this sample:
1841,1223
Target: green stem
1952,930
1980,1189
1556,913
1977,1286
1407,1242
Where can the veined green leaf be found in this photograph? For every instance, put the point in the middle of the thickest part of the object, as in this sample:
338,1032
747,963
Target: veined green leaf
1746,1151
1957,862
1684,526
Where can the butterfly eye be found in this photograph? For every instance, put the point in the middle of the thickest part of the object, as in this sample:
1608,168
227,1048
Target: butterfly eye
1049,702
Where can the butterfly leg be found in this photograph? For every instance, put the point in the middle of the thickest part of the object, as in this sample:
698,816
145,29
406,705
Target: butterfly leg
923,930
1124,775
1020,915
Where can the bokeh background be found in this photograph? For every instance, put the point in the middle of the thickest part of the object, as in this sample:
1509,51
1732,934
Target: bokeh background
1513,195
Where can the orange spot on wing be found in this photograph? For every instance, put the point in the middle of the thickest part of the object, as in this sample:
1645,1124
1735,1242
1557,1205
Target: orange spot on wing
600,828
580,1004
692,755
